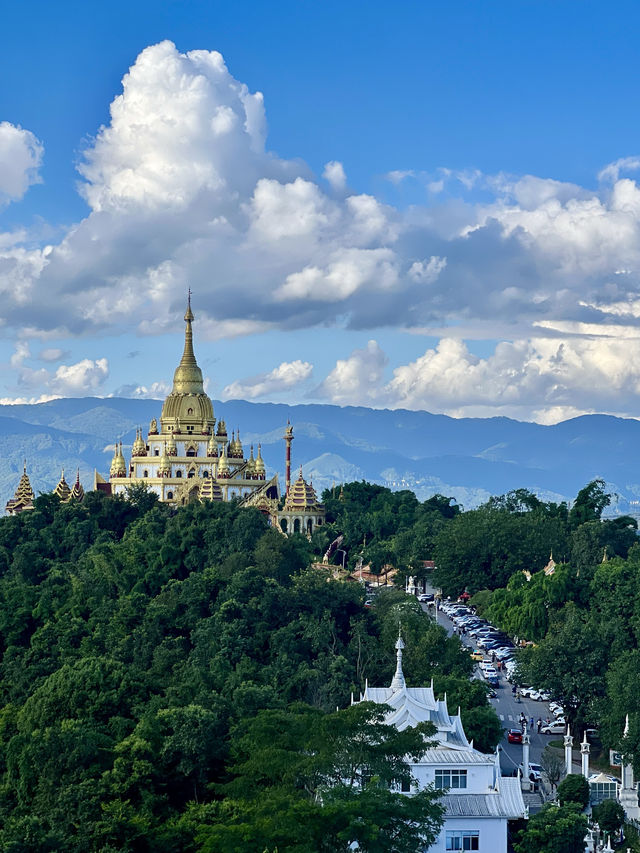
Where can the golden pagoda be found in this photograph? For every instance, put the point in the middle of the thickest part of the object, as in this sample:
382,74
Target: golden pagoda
23,498
62,490
302,511
77,492
184,457
189,457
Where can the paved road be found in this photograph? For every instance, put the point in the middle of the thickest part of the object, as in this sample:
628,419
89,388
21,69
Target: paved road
508,711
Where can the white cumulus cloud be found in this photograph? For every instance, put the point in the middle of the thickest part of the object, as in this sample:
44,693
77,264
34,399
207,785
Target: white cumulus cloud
335,175
356,380
20,158
543,379
287,375
83,377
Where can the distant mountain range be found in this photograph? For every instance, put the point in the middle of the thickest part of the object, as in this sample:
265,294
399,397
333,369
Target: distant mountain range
467,458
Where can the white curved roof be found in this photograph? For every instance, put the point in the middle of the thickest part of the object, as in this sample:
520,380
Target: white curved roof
413,705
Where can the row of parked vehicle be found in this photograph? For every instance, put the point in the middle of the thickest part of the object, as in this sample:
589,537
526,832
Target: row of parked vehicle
489,642
488,639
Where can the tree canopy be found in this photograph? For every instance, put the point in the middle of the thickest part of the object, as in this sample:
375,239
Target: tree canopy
143,649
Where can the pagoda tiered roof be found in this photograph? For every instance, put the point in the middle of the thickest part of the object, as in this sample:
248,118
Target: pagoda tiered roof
301,496
23,498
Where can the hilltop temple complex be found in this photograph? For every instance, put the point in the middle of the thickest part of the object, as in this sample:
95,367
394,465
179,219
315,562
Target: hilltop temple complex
188,456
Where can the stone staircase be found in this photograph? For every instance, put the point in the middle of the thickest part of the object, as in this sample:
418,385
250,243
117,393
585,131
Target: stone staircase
533,800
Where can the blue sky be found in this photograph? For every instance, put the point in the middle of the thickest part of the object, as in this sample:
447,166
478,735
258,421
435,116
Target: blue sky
474,248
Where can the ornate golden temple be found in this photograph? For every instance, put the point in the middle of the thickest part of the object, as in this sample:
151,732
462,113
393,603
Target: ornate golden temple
189,457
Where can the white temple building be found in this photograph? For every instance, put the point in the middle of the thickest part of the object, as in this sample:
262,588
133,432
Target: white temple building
478,800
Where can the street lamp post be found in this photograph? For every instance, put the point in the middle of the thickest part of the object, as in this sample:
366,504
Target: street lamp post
344,556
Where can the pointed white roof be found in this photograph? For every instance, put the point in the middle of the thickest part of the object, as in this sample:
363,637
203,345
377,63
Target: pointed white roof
413,705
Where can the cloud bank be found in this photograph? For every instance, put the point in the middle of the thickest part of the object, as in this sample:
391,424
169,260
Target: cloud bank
182,190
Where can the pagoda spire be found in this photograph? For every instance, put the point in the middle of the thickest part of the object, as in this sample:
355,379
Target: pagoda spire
188,377
188,356
398,682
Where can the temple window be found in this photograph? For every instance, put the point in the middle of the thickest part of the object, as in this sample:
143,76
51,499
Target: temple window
191,473
178,473
450,779
296,525
169,495
205,473
145,473
189,411
462,839
191,451
157,451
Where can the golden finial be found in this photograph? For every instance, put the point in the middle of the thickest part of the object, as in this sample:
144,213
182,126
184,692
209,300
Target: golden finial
189,313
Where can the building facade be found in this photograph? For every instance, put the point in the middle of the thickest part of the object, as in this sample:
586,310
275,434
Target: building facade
478,800
189,456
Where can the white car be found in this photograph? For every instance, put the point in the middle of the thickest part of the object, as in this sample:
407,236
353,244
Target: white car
535,771
555,728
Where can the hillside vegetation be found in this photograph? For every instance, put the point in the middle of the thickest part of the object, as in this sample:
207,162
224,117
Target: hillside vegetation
169,678
582,615
163,673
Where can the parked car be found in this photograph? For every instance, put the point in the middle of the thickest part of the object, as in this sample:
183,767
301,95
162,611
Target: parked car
493,680
554,728
478,632
477,655
514,736
504,652
426,597
535,771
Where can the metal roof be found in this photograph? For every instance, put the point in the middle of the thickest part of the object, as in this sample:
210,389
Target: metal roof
505,803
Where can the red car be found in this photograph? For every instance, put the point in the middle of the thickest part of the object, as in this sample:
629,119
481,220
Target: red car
514,736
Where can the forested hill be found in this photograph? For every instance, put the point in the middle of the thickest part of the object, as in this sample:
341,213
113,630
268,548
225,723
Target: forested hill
149,661
468,458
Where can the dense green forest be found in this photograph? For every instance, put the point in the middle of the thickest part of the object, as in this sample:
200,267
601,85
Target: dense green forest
166,676
169,679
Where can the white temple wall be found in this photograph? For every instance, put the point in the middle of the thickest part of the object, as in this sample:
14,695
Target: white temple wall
492,834
479,777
